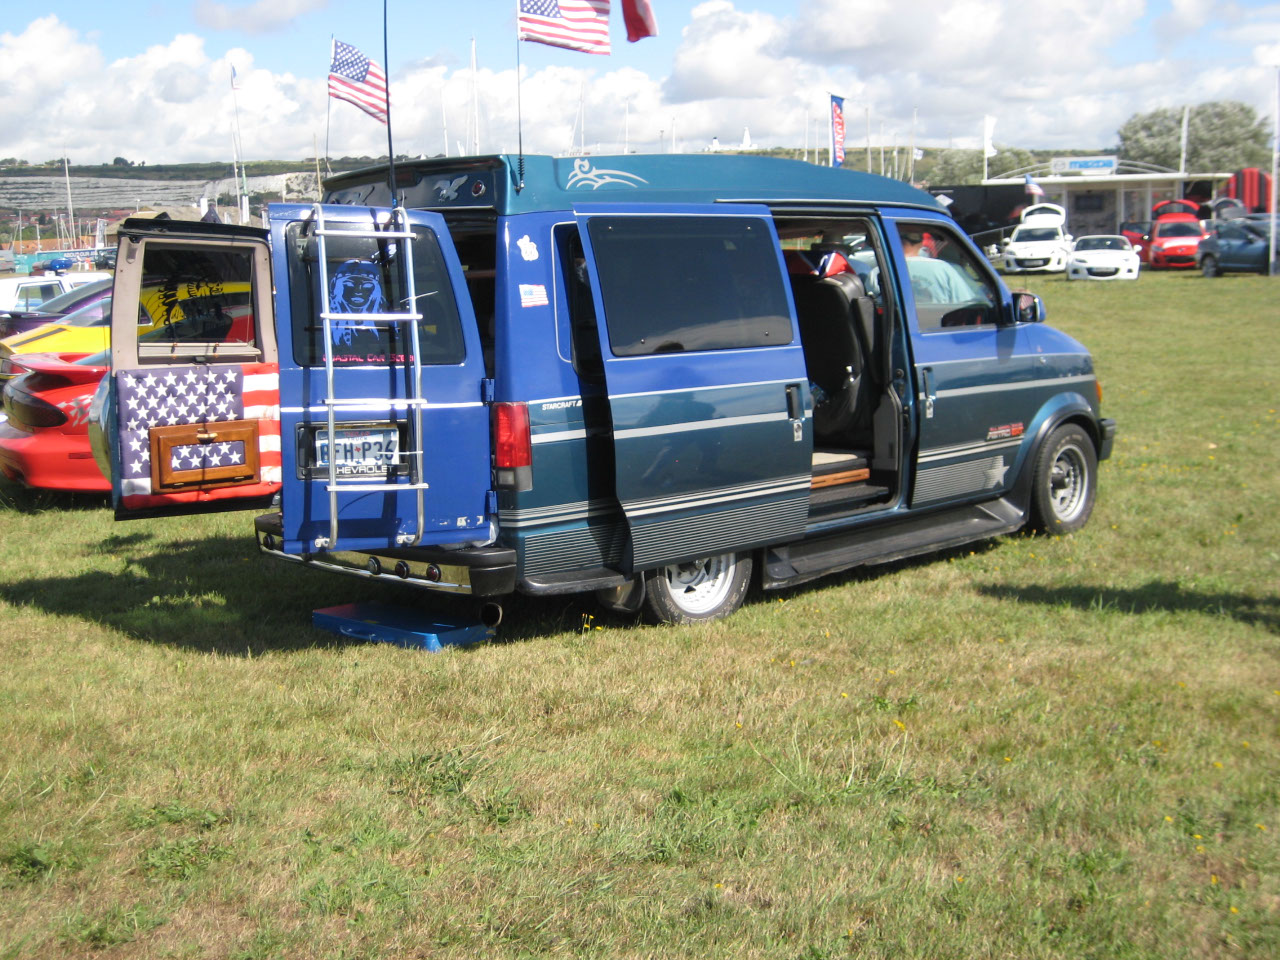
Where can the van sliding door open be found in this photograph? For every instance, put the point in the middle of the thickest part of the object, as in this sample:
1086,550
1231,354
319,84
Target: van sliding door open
706,378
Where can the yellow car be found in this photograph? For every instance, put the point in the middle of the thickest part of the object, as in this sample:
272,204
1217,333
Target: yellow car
161,305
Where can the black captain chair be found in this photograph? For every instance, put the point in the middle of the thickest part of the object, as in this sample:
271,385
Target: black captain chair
833,313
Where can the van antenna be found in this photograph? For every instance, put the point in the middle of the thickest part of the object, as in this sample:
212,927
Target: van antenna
519,123
391,152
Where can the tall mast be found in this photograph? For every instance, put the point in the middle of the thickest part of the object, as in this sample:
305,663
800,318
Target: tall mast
71,217
444,120
475,103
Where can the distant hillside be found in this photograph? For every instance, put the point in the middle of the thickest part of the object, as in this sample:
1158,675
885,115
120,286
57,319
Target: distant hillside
107,188
213,170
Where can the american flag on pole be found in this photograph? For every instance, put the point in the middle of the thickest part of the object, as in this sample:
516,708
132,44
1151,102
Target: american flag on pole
355,78
196,395
581,25
1032,188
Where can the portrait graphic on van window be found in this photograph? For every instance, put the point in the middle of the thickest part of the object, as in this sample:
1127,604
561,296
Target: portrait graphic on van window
356,287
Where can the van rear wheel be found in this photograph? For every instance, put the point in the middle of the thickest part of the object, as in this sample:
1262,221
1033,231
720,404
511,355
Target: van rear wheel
697,591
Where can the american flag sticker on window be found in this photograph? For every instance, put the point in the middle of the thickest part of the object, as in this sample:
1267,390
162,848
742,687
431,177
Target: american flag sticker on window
533,295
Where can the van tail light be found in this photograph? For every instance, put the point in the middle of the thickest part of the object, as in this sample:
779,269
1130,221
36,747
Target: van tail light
512,446
28,411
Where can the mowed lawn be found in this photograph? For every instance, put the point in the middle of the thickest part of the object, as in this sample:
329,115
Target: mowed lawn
1028,748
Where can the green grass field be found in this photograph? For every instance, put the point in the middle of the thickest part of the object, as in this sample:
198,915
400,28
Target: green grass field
1029,748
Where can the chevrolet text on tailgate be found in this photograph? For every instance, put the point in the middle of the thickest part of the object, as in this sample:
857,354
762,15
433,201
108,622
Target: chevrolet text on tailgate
643,376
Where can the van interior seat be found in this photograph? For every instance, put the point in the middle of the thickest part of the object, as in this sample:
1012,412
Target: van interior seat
833,313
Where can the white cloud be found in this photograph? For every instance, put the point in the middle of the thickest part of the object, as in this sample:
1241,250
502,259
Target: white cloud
1052,82
261,16
727,53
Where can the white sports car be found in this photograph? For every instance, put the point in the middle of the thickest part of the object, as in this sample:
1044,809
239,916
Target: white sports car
1039,244
1103,258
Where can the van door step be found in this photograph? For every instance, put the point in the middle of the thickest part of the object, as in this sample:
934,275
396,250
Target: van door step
826,500
807,559
833,468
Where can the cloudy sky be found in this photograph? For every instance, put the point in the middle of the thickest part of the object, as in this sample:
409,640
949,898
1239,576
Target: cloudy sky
150,80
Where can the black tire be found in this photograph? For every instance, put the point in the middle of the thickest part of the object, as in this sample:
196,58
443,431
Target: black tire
1209,267
1065,482
697,591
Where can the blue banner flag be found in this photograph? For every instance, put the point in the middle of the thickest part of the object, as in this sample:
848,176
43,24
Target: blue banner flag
837,131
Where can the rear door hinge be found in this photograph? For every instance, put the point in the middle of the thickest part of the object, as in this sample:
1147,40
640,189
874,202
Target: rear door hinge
491,502
486,390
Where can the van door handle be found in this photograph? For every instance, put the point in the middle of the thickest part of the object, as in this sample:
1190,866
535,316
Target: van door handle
928,394
795,409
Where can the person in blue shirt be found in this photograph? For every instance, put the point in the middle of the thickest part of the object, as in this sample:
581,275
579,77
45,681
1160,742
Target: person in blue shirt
933,280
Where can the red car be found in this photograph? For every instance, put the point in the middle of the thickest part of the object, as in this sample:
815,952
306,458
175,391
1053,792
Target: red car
44,442
1173,237
44,434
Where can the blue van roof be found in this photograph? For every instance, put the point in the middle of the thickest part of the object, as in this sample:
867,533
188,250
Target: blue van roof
558,183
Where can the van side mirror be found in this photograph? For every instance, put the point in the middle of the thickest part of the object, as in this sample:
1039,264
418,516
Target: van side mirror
1027,307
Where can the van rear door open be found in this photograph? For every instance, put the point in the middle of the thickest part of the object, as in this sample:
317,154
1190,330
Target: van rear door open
190,411
706,377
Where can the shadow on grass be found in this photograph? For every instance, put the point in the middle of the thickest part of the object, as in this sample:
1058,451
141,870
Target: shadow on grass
219,595
1158,596
22,499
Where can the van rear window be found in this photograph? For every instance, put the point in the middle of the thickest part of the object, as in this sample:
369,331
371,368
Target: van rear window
365,276
672,284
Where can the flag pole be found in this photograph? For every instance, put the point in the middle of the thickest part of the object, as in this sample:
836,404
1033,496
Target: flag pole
238,151
831,132
1275,188
868,138
328,112
911,167
391,151
984,149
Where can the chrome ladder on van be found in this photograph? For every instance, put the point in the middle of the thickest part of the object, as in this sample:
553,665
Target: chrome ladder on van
397,228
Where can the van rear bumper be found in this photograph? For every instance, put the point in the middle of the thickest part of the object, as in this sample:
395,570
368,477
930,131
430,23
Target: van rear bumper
475,571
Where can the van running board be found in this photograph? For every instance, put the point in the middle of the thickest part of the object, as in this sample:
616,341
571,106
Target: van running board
808,559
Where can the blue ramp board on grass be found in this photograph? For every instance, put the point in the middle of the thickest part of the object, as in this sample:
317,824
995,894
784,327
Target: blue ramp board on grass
414,629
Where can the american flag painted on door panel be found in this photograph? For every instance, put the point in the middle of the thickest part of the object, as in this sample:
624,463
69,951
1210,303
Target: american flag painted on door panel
196,395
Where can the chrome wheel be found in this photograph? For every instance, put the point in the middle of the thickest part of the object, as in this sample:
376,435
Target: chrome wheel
699,587
1068,483
697,590
1065,481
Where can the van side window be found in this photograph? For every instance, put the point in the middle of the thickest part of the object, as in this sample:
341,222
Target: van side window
672,284
365,276
580,305
951,289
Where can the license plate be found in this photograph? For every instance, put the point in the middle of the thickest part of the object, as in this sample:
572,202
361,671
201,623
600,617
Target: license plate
362,452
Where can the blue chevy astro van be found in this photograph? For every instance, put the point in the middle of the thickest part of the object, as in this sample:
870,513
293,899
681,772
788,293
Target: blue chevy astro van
649,377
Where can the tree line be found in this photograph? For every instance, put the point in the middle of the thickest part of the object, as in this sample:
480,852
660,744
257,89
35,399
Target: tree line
1222,137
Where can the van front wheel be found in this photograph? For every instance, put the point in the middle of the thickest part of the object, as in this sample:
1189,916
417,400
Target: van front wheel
1066,481
697,591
